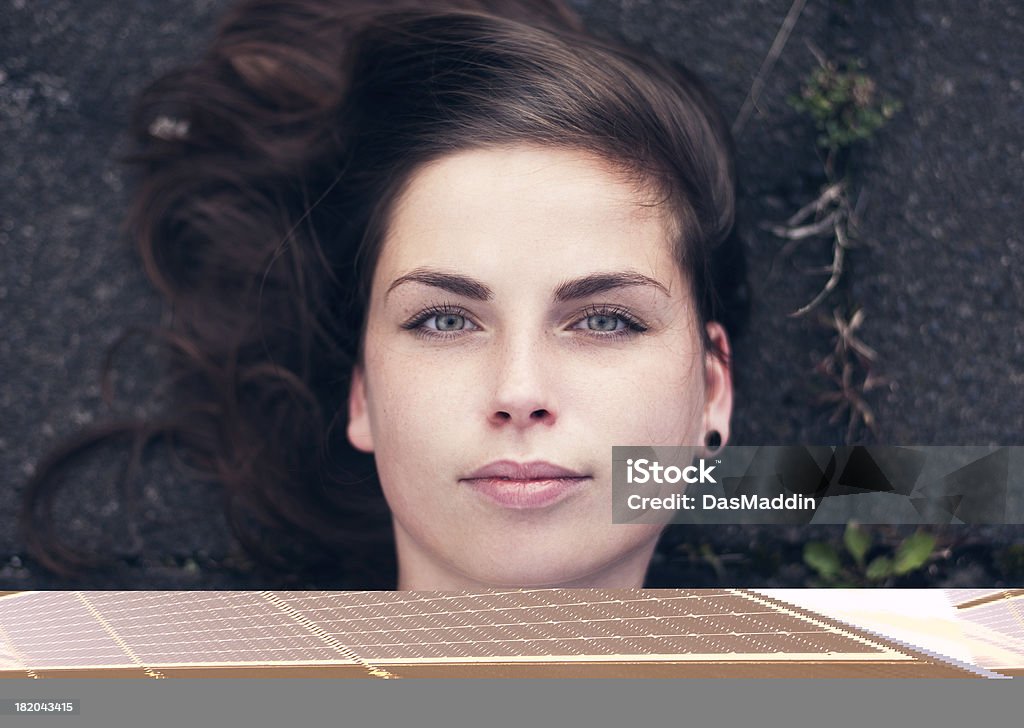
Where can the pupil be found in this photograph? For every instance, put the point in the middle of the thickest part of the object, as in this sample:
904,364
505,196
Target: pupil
603,323
449,322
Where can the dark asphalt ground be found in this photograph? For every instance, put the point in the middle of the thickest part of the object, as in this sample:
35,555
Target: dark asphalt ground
940,277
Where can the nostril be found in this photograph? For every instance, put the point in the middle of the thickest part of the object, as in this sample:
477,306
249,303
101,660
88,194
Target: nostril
537,415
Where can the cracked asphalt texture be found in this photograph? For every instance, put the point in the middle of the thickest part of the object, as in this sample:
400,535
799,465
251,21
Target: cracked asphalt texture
939,272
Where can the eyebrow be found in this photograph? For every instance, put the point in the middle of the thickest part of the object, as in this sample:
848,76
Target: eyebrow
601,282
452,282
567,291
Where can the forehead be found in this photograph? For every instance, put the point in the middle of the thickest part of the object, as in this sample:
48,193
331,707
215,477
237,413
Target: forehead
528,210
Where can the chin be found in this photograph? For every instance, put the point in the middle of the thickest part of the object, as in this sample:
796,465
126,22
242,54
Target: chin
572,555
534,576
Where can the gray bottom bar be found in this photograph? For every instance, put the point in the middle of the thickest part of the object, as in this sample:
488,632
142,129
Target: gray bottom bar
495,703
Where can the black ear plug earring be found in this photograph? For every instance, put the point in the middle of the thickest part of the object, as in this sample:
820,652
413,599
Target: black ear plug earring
713,441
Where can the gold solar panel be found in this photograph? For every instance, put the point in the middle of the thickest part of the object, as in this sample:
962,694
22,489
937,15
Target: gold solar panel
536,632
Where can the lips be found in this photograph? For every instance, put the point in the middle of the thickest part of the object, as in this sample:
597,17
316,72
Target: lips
525,485
509,470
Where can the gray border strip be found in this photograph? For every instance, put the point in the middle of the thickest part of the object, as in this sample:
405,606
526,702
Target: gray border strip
498,703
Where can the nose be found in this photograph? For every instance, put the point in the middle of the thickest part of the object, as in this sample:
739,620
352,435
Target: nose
522,394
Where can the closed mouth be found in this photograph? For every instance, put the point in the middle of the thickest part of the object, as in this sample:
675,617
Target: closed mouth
525,485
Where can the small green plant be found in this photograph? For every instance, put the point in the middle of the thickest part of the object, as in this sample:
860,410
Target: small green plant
833,569
846,108
844,104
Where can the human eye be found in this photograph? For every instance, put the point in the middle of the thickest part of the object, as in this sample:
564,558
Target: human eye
445,321
605,321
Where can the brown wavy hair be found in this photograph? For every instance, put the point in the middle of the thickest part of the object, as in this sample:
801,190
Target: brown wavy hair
267,170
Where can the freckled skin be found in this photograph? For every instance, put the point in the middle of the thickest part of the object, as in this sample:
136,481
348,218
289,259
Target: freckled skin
521,376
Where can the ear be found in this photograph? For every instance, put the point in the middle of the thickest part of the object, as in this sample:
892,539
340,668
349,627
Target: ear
718,378
359,432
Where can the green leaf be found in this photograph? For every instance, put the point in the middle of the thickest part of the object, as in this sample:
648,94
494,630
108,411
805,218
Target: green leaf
822,558
879,569
913,553
857,541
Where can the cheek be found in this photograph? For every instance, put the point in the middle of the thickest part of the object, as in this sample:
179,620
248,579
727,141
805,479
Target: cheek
654,398
414,407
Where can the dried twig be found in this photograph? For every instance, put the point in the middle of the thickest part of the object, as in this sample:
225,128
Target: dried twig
830,194
835,271
781,38
828,215
842,366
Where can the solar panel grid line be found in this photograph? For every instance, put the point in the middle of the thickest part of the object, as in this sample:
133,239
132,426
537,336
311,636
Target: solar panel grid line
1005,618
998,647
12,659
56,627
642,639
980,597
662,669
1015,608
439,609
736,643
781,614
8,658
241,624
962,598
978,670
210,634
137,607
490,641
229,653
487,601
475,638
686,609
372,670
809,658
829,624
957,597
998,634
205,664
149,672
991,634
717,627
428,630
911,651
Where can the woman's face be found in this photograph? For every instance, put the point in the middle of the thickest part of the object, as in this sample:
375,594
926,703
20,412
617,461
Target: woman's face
527,313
